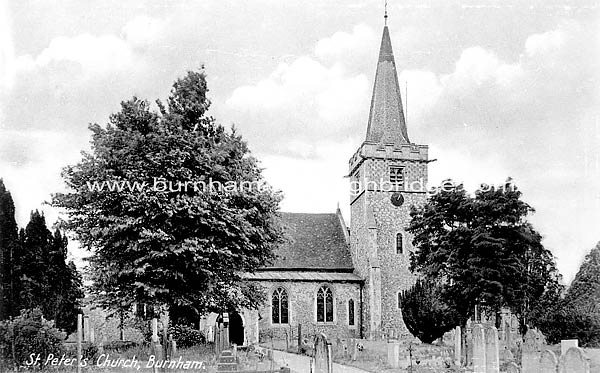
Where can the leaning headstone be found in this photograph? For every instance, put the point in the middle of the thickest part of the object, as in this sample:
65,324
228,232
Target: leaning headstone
512,368
457,344
478,335
548,362
531,351
393,353
574,361
565,344
323,361
492,358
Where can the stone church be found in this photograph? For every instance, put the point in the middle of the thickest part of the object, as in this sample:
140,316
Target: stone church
345,280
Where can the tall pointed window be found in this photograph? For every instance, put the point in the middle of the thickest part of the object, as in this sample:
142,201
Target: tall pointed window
279,307
351,312
324,304
397,176
399,243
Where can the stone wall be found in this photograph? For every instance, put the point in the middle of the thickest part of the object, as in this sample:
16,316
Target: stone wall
389,220
302,310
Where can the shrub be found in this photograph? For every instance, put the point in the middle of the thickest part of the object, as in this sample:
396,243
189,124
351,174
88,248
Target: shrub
29,333
425,314
186,336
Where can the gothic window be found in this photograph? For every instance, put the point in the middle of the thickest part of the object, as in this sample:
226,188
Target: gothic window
279,307
324,304
399,243
397,176
351,312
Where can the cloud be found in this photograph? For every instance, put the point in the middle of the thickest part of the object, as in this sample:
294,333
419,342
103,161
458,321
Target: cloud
142,31
300,102
487,119
350,47
95,54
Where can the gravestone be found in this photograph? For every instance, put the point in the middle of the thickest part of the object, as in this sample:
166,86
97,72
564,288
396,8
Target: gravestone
299,338
574,361
531,351
565,344
478,337
344,348
323,362
352,351
512,368
548,362
457,345
507,356
393,353
492,358
86,328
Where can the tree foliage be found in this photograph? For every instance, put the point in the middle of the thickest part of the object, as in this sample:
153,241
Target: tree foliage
9,243
576,315
29,333
424,312
35,271
43,276
166,242
482,249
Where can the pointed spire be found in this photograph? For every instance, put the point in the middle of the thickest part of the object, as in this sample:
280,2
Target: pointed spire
386,119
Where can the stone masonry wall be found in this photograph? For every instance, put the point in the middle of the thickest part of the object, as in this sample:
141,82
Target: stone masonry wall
390,220
302,309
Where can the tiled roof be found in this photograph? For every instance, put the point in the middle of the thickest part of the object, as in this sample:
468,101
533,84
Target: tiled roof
386,118
303,276
315,241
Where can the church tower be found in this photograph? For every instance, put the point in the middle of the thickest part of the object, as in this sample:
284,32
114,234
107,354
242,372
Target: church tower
388,175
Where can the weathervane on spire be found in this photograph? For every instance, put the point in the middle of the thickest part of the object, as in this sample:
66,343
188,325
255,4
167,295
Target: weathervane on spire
385,14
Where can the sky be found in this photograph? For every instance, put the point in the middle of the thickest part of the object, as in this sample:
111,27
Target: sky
496,89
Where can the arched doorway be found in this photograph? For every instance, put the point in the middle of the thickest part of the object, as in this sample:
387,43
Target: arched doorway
236,329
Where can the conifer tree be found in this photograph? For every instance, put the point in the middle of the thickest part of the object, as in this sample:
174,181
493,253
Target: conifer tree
8,245
425,313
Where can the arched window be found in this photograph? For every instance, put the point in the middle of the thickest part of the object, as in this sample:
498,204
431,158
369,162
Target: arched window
324,304
399,243
351,312
279,307
399,300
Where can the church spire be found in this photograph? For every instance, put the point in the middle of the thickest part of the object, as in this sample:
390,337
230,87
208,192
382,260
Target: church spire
386,119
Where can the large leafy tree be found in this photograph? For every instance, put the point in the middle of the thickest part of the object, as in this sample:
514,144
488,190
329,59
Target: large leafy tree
482,249
163,241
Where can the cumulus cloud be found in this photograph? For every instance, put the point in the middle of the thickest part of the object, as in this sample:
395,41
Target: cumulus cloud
300,102
487,119
491,104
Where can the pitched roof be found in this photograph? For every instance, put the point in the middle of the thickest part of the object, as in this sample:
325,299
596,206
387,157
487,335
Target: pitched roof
386,118
309,276
315,241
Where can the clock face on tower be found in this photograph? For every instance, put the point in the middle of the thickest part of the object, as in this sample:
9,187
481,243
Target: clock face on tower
397,199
